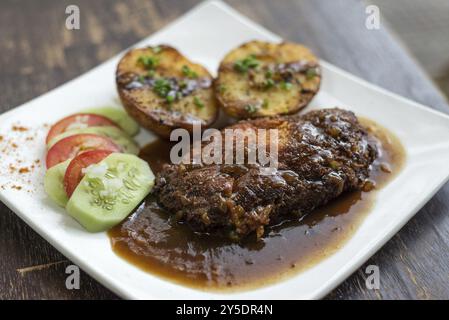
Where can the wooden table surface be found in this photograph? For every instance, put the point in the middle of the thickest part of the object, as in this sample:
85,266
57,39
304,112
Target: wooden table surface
39,54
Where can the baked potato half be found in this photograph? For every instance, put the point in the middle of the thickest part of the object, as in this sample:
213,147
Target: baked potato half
162,90
260,79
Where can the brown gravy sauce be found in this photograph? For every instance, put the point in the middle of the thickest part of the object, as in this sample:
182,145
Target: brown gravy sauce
154,243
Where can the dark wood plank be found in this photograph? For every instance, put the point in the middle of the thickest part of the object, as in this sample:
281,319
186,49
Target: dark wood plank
38,54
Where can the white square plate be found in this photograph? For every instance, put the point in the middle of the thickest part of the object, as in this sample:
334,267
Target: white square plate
205,34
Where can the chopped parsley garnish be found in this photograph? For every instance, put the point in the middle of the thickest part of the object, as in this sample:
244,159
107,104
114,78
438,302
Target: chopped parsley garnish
189,72
148,62
162,87
222,88
268,74
198,102
265,104
157,49
250,62
151,73
268,83
311,73
170,98
182,84
250,108
286,85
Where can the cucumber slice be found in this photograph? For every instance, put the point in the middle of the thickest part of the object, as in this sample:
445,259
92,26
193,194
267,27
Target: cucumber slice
118,136
54,183
119,116
109,191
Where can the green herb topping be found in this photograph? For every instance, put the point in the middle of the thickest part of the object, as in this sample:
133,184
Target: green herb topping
170,98
189,72
157,49
265,104
311,73
250,108
222,88
250,62
268,83
148,62
269,74
162,87
198,102
286,85
151,73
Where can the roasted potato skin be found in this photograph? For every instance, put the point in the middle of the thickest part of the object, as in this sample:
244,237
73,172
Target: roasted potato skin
154,112
247,94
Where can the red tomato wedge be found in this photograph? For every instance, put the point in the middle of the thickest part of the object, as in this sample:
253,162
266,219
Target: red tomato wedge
74,172
78,121
71,146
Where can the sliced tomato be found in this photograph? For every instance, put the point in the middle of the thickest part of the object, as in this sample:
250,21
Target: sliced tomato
78,121
74,172
71,146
